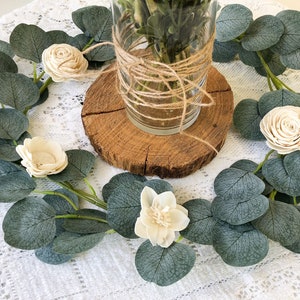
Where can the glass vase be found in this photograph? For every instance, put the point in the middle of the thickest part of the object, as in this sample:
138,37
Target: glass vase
163,54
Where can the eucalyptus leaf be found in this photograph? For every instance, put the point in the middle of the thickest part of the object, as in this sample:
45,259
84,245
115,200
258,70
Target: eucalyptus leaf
61,205
80,163
235,184
77,16
29,41
59,226
201,223
246,119
251,166
80,41
295,247
283,173
8,150
15,183
101,54
59,37
159,185
233,20
88,222
239,211
8,147
12,124
98,23
240,245
280,223
275,65
125,178
290,40
291,60
94,21
29,224
18,91
7,64
124,207
249,58
263,33
225,51
245,164
73,243
43,96
6,48
48,256
277,98
164,266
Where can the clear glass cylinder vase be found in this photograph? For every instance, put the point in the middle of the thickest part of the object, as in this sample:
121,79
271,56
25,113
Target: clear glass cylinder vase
163,54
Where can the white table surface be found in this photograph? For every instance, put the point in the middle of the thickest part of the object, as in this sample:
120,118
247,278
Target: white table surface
107,271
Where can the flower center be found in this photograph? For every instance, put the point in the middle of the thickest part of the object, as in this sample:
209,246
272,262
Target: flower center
42,158
160,216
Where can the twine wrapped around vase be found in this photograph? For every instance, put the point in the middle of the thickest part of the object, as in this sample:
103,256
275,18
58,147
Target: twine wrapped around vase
137,68
140,68
139,76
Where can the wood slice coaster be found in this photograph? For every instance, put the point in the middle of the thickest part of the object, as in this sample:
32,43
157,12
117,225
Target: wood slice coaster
123,145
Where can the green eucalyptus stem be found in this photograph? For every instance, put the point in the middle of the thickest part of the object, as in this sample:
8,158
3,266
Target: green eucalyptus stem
58,194
270,83
45,85
93,199
263,162
110,231
295,200
179,239
278,84
74,216
40,76
90,42
272,195
37,78
89,186
26,110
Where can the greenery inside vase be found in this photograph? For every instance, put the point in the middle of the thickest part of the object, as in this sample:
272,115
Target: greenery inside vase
163,51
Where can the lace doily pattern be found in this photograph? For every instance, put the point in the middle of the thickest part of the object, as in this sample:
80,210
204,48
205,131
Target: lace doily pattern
108,270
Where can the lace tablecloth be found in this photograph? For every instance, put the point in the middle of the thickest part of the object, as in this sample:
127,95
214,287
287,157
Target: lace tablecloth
107,271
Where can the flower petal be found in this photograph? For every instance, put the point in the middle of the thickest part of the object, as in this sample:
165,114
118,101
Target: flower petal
146,217
183,209
147,196
179,220
166,199
167,240
139,229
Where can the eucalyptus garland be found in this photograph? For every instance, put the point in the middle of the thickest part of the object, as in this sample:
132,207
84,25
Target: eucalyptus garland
253,203
270,44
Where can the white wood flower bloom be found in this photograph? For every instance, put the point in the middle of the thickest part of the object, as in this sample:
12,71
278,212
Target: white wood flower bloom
160,217
42,157
64,62
281,128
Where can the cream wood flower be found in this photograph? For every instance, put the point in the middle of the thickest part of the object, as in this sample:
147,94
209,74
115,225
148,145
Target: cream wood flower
160,217
42,157
281,128
64,62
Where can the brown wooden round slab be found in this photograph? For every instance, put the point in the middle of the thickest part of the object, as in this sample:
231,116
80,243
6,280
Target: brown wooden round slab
125,146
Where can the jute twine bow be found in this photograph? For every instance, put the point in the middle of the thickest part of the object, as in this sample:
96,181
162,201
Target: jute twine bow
142,71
